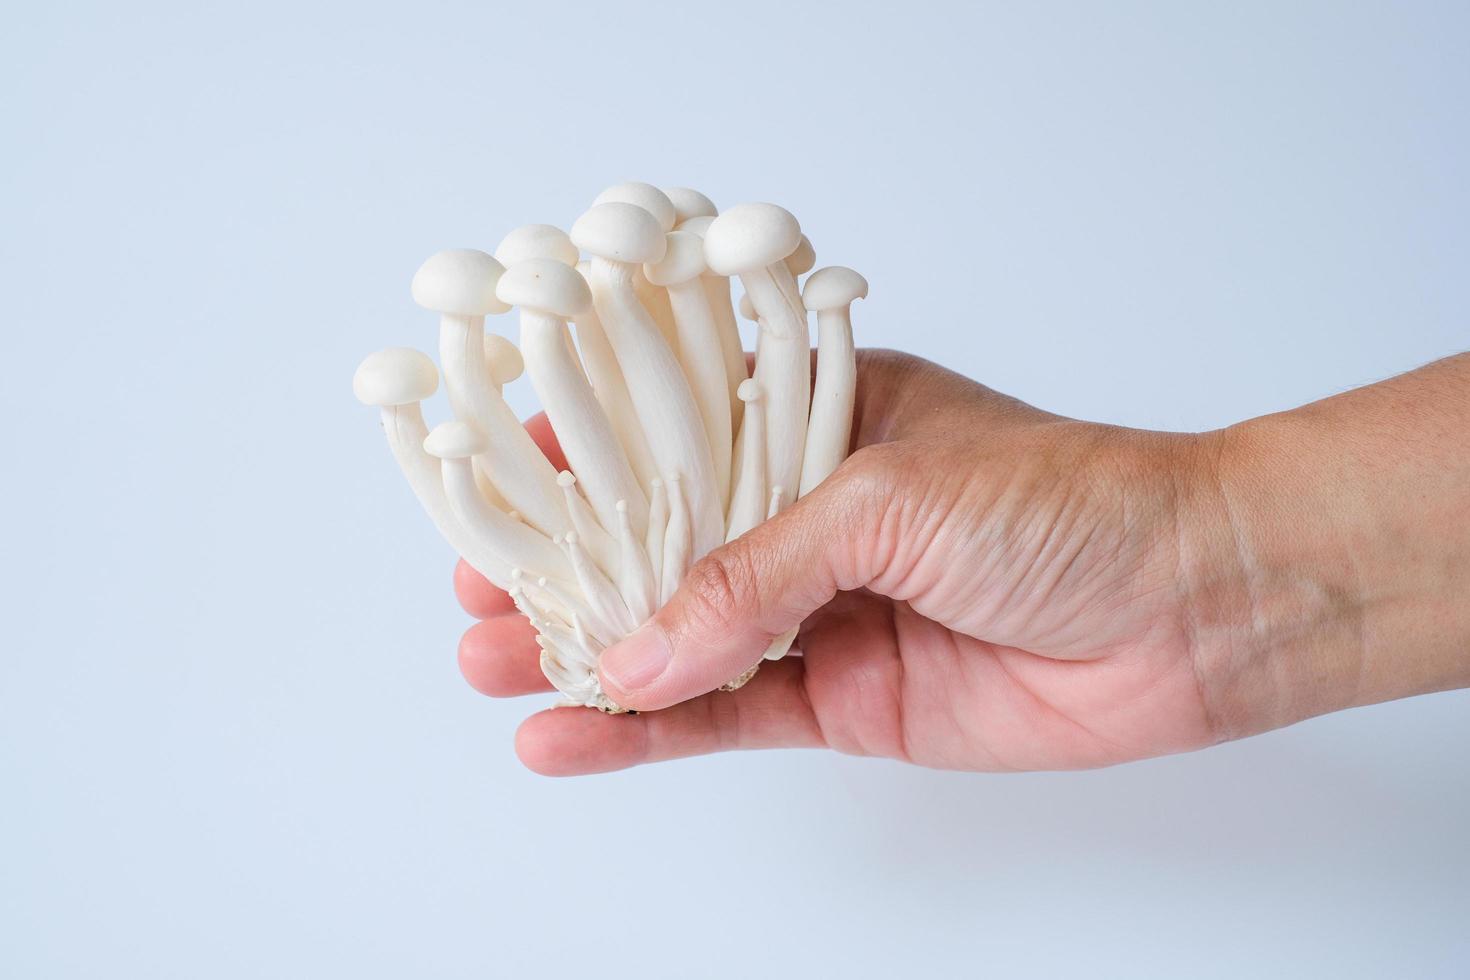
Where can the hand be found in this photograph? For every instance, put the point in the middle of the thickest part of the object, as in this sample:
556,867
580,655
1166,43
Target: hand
983,585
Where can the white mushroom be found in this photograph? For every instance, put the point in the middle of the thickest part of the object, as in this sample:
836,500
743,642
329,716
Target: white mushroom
635,572
749,498
689,203
547,293
658,521
800,262
459,285
607,380
536,242
396,380
830,292
455,443
676,541
679,271
656,203
503,362
732,349
621,237
753,241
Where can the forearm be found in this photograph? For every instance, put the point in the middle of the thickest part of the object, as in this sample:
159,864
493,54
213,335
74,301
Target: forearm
1327,557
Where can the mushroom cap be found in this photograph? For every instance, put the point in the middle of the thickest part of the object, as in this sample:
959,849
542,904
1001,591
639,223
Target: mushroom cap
689,203
800,262
683,260
645,196
395,376
749,237
749,390
699,224
621,232
502,359
545,286
459,281
747,308
455,440
831,287
536,242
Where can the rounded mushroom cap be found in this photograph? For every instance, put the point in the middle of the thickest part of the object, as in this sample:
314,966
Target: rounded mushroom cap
749,390
645,196
459,281
747,308
621,232
699,224
683,260
689,203
800,262
831,287
749,237
536,242
395,376
502,359
545,286
455,440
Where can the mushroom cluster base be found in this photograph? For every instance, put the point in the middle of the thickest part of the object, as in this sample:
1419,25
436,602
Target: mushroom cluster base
628,335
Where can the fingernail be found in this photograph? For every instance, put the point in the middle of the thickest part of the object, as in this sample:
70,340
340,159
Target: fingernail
638,660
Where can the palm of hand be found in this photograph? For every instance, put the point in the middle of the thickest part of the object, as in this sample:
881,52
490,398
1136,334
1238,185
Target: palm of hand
1048,538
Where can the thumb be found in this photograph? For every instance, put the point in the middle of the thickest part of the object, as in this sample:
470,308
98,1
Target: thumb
734,601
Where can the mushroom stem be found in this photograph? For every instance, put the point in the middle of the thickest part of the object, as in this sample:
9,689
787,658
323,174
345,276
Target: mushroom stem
676,541
602,596
658,521
582,428
732,350
661,396
704,366
516,466
406,430
783,368
635,574
601,544
750,483
611,389
830,428
679,271
517,544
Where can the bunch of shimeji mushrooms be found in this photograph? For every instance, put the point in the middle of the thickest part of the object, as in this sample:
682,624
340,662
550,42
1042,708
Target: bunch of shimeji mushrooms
672,449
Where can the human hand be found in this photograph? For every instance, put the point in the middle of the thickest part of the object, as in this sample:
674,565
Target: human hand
986,586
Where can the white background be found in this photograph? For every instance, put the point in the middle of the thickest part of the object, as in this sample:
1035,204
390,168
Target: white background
235,743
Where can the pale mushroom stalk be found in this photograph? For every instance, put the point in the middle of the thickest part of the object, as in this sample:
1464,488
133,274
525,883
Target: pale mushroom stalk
680,271
750,482
618,235
676,541
830,292
547,292
658,520
602,596
732,349
777,496
600,543
521,546
396,380
612,393
459,284
579,610
635,573
753,241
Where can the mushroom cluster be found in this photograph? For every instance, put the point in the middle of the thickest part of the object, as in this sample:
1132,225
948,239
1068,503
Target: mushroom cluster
672,447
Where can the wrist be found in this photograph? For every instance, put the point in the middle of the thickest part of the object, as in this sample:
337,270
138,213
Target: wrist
1325,564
